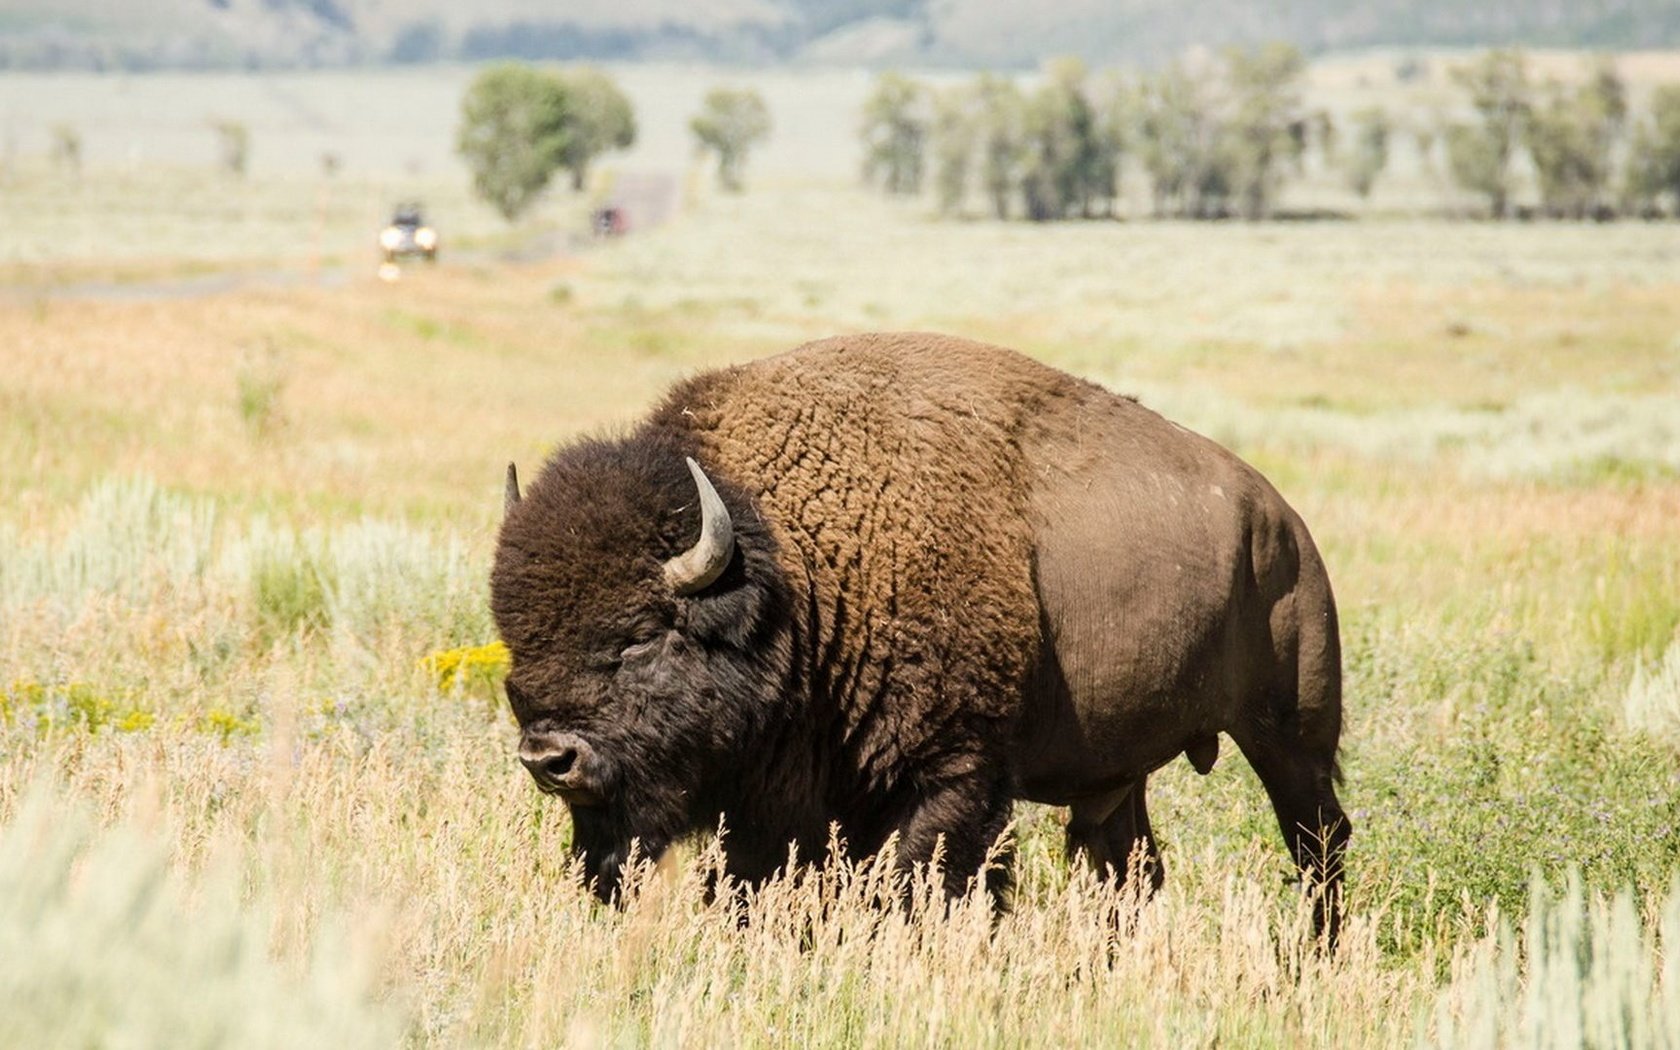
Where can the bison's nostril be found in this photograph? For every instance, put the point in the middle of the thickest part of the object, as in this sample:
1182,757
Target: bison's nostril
555,767
562,763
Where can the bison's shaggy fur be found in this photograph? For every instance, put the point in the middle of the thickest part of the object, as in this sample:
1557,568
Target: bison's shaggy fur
959,577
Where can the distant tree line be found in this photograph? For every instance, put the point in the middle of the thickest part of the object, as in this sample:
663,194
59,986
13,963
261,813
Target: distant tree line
1222,138
521,125
1210,142
1592,156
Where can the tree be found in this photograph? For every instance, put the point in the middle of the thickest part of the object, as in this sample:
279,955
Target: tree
1169,112
1321,129
1654,157
1368,155
1085,177
1561,143
1000,114
1056,118
1479,154
1063,156
1573,138
1606,99
955,138
1267,123
1183,145
895,131
730,122
514,133
599,118
1116,107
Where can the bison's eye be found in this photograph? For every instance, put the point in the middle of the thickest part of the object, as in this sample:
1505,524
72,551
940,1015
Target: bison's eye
637,651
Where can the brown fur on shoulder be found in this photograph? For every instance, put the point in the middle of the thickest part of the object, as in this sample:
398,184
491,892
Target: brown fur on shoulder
860,451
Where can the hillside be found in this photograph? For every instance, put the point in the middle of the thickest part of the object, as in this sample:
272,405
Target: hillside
142,34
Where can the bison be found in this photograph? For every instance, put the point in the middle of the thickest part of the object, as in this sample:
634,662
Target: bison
894,582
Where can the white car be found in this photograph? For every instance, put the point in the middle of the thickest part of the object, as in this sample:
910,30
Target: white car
408,235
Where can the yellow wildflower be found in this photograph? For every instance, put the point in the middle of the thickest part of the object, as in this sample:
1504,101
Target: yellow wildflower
469,667
221,721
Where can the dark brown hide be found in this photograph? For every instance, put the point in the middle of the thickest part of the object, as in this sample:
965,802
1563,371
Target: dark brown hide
961,577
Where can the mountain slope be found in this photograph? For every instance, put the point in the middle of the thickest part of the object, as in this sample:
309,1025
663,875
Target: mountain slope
187,33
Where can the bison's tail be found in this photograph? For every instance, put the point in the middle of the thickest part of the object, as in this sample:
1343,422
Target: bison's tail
1306,693
1318,658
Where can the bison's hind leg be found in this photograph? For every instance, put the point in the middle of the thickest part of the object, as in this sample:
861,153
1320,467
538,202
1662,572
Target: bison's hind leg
1301,785
1291,722
1112,832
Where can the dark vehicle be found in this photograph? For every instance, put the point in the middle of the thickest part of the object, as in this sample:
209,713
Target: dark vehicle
408,235
611,222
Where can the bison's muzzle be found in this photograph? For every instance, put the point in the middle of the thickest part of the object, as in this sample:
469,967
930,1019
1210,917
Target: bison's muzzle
564,764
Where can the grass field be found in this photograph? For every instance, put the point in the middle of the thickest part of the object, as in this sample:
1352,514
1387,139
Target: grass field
257,782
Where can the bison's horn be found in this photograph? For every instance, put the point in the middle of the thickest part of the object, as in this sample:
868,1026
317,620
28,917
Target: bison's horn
698,567
510,495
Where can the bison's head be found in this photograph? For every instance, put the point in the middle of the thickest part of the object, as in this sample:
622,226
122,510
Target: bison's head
646,618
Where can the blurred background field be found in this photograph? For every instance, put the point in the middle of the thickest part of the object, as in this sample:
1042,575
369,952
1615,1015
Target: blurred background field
329,149
250,494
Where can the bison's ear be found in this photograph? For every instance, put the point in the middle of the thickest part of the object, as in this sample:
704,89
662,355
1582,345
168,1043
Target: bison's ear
698,567
510,494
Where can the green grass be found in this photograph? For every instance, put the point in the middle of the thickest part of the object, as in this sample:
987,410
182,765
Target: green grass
289,593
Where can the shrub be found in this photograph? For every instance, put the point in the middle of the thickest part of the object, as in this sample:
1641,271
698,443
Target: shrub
1583,971
103,948
259,381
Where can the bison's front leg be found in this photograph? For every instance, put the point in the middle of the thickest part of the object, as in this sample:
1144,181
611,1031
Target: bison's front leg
960,820
757,848
1112,832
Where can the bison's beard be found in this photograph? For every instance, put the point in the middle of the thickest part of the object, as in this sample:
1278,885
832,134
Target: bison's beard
609,837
